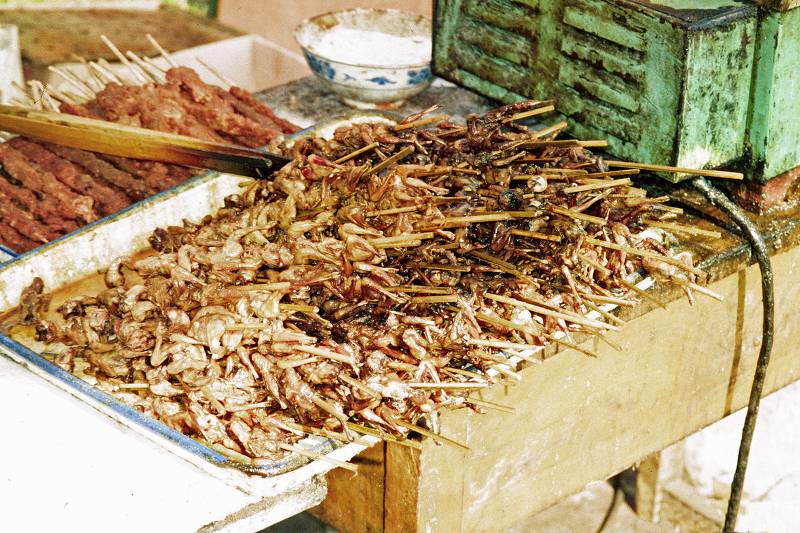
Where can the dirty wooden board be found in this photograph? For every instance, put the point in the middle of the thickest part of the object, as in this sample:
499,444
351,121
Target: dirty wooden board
56,36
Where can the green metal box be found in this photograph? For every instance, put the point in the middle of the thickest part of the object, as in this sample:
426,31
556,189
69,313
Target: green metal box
668,82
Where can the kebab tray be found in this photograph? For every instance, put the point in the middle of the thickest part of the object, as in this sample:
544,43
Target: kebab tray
74,264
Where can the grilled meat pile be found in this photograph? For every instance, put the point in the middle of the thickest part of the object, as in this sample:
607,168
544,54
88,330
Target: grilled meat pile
48,190
377,280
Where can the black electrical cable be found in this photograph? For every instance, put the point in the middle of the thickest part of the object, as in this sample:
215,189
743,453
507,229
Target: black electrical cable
761,255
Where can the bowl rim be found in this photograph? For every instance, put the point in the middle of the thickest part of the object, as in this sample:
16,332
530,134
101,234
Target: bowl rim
310,20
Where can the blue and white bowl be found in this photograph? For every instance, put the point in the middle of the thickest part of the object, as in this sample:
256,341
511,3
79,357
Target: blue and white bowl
369,83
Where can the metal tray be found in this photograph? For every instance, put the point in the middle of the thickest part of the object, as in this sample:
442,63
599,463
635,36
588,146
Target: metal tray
90,249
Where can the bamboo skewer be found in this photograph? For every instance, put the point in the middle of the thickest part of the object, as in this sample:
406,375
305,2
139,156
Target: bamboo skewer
536,235
356,153
364,430
597,186
689,230
124,60
439,299
645,253
643,293
434,436
163,52
530,113
226,82
576,319
550,130
324,352
109,70
490,405
318,456
408,150
449,385
72,80
724,174
420,122
578,216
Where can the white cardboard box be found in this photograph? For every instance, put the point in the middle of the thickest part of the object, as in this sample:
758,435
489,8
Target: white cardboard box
251,61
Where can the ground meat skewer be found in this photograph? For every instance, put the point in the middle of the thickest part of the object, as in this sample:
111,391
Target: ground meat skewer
73,205
249,100
23,222
103,170
157,176
213,110
106,199
14,240
46,213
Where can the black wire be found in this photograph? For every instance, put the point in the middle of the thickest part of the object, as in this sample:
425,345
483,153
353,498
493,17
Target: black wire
761,255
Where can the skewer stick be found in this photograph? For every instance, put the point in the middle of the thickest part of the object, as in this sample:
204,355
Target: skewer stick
608,316
58,95
421,122
550,130
154,75
604,299
360,386
578,216
356,153
401,238
699,288
612,173
36,95
364,430
23,92
575,319
445,386
596,186
530,113
434,266
595,264
439,299
163,52
645,253
124,60
466,373
436,437
221,77
536,235
154,65
294,363
504,266
490,405
643,293
389,160
322,432
393,211
99,73
318,456
324,352
84,89
724,174
420,289
109,70
231,454
504,369
681,228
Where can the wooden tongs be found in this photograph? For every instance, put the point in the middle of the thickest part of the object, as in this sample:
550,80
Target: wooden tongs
138,143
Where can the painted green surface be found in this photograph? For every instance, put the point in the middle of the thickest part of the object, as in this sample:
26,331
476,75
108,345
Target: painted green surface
774,131
667,81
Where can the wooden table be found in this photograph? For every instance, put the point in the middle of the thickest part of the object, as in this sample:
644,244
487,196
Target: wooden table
579,419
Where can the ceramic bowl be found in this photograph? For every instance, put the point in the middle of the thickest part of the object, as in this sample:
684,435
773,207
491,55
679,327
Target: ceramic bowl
367,83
